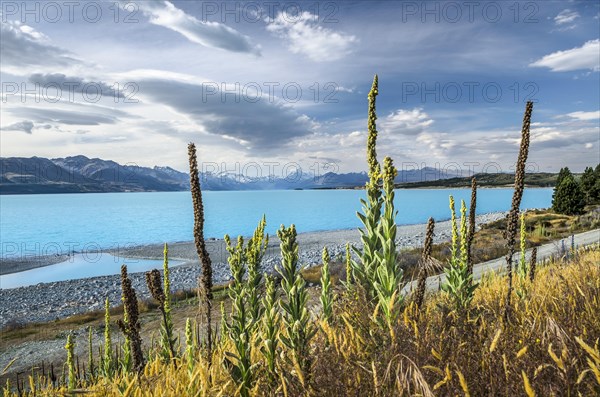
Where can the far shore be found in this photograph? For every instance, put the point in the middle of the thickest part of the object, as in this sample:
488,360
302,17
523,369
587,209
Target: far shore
409,236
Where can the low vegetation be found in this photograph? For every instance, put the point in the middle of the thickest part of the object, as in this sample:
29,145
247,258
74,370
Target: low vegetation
533,332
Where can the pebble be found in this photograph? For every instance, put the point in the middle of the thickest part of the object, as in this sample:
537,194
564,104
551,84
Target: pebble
50,301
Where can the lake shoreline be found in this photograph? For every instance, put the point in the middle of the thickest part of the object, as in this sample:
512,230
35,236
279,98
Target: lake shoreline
49,301
185,251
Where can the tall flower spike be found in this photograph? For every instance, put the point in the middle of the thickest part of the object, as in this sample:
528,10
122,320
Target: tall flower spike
512,219
154,286
374,168
464,238
205,287
108,354
167,280
363,270
453,247
472,216
70,347
425,257
533,264
348,265
326,293
131,326
523,245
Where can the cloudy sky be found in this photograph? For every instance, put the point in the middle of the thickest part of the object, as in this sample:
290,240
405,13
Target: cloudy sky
286,82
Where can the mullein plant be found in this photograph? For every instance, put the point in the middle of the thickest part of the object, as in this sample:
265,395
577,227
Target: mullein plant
205,282
91,368
454,225
125,361
388,274
70,347
239,330
459,281
296,319
270,327
513,215
326,293
532,264
130,325
254,252
168,338
223,325
108,360
167,342
472,217
423,263
190,346
363,270
348,265
522,267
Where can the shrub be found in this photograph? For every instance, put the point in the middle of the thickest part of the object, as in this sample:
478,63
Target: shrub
568,198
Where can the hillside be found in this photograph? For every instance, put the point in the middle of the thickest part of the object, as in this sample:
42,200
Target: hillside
539,179
80,174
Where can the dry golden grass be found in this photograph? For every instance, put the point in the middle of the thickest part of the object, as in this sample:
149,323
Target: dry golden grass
549,348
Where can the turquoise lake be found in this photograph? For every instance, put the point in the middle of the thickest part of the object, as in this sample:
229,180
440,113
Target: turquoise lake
33,225
80,266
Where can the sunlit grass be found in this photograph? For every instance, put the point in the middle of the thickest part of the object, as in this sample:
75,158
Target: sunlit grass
552,339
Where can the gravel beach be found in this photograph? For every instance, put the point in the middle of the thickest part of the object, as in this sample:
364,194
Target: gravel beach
50,301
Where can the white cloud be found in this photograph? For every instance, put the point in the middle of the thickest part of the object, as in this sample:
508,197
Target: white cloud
566,16
584,57
304,36
407,122
585,115
25,49
206,33
25,126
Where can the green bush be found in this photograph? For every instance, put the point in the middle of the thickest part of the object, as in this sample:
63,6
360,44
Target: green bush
568,198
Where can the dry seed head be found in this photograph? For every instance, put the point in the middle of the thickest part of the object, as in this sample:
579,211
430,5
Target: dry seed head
423,264
131,325
532,264
205,287
155,286
512,218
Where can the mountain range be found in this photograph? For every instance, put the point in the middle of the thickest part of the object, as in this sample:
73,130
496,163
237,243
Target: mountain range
80,174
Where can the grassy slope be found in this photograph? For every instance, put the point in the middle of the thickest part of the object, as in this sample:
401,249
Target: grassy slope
540,179
550,343
542,226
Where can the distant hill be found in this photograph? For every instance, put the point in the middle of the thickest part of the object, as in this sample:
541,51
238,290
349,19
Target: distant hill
358,179
538,179
80,174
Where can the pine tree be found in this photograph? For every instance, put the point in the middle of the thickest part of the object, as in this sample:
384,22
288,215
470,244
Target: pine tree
568,198
589,183
562,174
